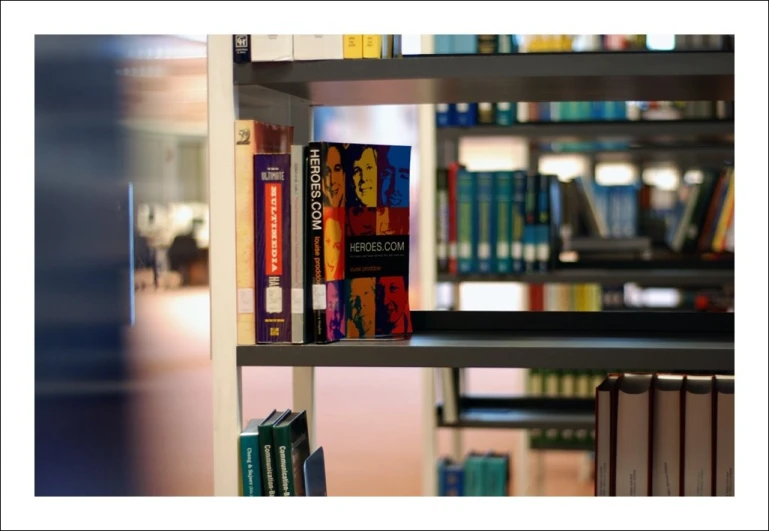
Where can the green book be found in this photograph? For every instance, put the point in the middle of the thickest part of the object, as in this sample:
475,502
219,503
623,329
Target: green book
269,470
475,476
292,442
496,474
250,465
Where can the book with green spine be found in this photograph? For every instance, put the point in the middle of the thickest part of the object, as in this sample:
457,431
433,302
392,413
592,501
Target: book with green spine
250,462
268,454
292,443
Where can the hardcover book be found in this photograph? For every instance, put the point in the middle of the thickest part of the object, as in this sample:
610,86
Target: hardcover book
365,236
250,463
268,457
273,252
292,444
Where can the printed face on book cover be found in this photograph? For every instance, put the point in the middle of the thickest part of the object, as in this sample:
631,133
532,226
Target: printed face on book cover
374,201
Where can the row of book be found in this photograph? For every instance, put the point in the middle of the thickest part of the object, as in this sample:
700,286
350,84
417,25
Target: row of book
276,459
478,474
703,215
504,44
510,221
269,48
493,221
563,384
665,435
322,238
506,114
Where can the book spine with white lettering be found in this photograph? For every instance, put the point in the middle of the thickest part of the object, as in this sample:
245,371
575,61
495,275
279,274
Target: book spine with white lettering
272,262
314,233
298,245
250,463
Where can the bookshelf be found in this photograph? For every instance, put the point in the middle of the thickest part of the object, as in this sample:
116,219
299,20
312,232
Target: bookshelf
284,93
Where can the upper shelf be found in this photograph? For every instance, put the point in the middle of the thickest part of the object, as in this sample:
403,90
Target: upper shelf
585,76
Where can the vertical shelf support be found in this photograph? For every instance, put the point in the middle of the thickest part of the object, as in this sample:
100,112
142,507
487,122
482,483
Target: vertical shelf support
221,183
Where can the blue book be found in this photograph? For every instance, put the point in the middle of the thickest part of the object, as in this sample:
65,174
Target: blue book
465,221
451,478
543,222
442,44
530,226
503,194
250,463
466,114
484,221
315,474
464,44
615,204
443,115
630,211
518,224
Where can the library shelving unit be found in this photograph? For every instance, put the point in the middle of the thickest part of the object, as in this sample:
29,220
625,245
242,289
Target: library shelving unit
284,93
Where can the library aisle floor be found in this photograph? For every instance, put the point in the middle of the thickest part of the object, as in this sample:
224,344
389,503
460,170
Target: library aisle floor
367,419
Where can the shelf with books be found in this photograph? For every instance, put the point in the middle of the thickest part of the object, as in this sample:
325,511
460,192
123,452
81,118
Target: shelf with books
282,93
645,130
646,277
647,76
522,413
546,340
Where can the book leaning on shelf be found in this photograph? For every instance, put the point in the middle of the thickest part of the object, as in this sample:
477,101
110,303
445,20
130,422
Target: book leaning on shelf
276,458
322,238
665,435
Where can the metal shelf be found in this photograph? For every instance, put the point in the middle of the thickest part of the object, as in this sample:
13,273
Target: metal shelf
648,130
597,76
523,413
487,350
646,277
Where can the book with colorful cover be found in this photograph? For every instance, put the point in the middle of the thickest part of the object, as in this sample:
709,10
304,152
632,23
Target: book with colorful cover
366,218
273,251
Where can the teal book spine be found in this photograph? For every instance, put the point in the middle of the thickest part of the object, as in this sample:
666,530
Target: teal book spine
465,226
503,194
474,475
518,221
485,221
250,464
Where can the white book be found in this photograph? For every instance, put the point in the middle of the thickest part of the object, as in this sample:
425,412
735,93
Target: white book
272,48
604,440
724,429
666,435
698,436
633,435
297,245
318,47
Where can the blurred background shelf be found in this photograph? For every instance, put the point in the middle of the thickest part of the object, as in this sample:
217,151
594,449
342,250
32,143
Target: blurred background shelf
642,130
522,413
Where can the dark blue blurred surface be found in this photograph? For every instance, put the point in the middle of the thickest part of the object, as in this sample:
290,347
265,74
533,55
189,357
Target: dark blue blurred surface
82,271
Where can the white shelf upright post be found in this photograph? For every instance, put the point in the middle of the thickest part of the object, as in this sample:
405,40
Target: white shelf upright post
221,182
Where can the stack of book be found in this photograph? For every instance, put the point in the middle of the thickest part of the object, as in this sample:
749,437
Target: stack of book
477,474
322,238
275,457
270,48
665,435
563,384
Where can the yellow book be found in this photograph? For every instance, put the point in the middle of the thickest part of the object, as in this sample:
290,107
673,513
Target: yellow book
719,237
372,46
353,46
245,147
